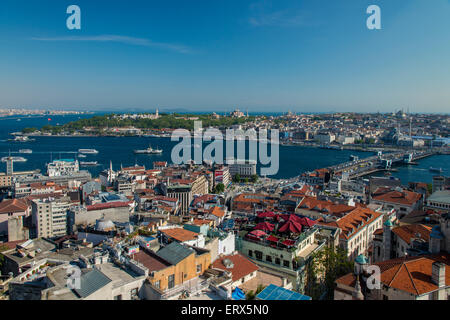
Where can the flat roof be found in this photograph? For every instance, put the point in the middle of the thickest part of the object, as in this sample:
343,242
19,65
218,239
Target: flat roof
273,292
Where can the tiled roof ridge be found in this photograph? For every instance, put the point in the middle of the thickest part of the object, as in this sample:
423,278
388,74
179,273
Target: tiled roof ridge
412,279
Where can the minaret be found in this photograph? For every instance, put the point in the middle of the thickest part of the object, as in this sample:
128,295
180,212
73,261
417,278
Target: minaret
9,165
387,242
157,113
357,293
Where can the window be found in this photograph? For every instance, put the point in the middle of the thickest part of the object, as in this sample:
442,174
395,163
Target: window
277,260
171,281
286,263
258,255
134,293
250,253
385,297
118,297
199,268
269,259
158,284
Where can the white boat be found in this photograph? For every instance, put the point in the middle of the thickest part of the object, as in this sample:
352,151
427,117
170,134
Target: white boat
82,155
87,151
14,159
149,150
28,151
88,163
438,170
22,139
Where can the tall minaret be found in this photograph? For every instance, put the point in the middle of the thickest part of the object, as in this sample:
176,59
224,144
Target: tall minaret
157,113
357,293
387,242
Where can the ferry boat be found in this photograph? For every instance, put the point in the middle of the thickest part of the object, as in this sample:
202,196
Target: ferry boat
88,163
14,159
87,151
149,150
28,151
438,170
21,139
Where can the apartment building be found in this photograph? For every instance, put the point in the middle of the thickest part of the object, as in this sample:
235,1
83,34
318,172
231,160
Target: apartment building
5,180
49,216
172,270
357,230
402,201
182,192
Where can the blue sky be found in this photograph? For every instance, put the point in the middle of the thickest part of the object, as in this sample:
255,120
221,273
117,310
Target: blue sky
260,55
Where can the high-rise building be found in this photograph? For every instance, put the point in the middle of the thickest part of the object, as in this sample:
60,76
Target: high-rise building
50,216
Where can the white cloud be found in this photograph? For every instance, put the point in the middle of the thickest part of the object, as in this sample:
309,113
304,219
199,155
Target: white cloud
120,39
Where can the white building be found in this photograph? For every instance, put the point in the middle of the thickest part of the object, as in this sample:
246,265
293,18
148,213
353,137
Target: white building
50,216
62,167
244,168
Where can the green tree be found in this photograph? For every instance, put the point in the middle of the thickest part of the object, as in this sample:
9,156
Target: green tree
219,188
326,266
237,178
254,178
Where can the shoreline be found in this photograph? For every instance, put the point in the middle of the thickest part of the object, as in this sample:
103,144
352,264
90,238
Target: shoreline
281,143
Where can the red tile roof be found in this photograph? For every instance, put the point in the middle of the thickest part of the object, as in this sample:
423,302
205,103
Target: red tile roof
312,204
108,205
14,205
409,274
180,234
404,197
407,232
150,260
241,266
354,221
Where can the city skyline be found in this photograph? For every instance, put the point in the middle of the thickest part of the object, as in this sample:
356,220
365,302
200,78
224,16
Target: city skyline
260,56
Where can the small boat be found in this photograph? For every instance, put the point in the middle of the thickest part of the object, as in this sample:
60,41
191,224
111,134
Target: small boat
82,155
438,170
149,150
354,158
28,151
88,163
87,151
14,159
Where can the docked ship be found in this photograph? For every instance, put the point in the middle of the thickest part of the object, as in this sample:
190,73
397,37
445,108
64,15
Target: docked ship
353,158
88,163
14,159
87,151
437,170
28,151
149,150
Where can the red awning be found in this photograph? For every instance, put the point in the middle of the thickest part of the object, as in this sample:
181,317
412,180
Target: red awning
266,214
307,222
288,242
265,226
292,227
272,239
258,233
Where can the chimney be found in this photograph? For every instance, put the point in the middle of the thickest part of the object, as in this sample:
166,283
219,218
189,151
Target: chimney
438,274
